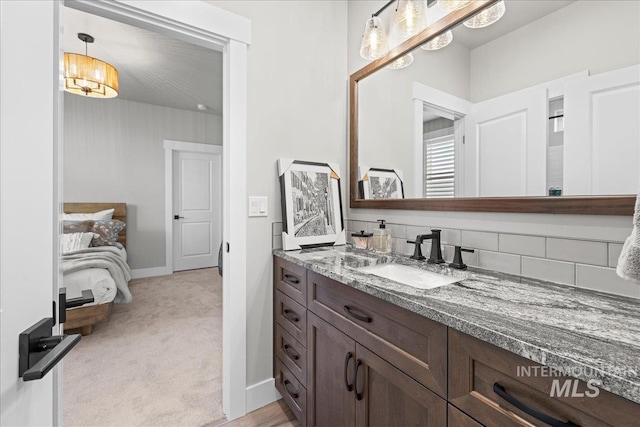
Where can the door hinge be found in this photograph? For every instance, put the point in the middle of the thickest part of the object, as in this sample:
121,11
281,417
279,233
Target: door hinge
228,247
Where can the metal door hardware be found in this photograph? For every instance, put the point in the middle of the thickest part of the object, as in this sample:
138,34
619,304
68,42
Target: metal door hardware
40,351
178,217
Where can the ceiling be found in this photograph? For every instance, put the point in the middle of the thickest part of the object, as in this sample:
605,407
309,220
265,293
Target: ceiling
152,68
518,14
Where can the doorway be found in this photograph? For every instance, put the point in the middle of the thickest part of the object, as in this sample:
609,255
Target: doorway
229,34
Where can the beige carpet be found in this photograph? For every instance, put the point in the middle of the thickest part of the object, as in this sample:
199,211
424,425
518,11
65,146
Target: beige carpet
157,362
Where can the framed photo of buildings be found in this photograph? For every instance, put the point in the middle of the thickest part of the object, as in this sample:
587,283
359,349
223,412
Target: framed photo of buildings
378,183
311,204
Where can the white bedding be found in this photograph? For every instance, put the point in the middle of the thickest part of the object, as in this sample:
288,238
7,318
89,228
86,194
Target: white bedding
98,280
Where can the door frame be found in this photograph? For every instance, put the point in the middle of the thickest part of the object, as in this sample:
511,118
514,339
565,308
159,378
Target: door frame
218,29
172,147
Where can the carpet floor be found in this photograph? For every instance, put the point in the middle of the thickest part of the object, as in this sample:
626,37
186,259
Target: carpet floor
157,362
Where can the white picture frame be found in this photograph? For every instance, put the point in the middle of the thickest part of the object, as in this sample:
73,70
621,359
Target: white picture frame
381,184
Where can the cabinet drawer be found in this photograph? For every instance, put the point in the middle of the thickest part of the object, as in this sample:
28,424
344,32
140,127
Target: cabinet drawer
415,345
291,316
292,392
493,386
291,353
291,280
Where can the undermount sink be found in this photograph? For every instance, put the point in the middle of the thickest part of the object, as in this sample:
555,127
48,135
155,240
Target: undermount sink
414,277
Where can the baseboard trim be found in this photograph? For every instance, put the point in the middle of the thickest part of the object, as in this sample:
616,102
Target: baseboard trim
141,273
261,394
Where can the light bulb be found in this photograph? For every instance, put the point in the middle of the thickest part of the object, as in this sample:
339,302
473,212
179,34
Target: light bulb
439,42
452,5
374,40
402,62
487,16
410,18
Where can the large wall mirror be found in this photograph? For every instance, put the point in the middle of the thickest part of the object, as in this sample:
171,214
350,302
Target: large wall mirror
538,112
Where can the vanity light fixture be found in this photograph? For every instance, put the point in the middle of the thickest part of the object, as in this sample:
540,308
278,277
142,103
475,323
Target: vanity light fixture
410,18
402,62
438,42
84,75
487,17
452,5
374,41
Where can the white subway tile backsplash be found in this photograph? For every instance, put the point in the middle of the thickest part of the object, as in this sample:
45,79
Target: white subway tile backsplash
605,280
614,254
399,231
581,251
585,263
276,228
505,263
276,242
480,240
546,269
522,245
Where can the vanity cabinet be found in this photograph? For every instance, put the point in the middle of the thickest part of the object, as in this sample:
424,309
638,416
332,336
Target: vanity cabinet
346,358
349,385
496,387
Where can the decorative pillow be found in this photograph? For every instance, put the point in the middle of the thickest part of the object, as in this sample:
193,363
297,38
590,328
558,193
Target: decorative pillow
75,241
107,232
96,216
77,226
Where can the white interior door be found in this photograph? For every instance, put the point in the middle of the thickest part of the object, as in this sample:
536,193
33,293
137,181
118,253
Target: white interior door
602,157
505,146
197,198
28,201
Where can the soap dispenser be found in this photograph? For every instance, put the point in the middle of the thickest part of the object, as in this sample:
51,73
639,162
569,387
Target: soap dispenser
382,238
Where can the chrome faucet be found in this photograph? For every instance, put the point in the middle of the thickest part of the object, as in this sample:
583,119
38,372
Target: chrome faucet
436,250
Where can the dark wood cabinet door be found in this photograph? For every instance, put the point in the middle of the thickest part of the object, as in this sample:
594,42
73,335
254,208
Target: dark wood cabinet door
330,368
386,397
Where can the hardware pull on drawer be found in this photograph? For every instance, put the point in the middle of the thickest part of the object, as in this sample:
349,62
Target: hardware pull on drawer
290,353
291,393
291,279
291,315
553,422
360,317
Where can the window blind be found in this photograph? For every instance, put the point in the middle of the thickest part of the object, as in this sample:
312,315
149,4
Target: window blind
439,166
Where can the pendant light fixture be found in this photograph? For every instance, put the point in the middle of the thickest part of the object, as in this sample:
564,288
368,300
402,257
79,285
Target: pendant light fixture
87,76
410,18
487,16
452,5
439,42
402,62
374,40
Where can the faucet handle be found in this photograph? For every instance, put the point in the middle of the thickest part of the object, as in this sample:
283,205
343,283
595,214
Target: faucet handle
457,258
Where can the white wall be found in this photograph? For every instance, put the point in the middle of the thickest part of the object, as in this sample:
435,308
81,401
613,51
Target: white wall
297,108
114,153
614,228
597,36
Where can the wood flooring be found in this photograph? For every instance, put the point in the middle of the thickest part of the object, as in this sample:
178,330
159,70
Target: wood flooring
276,414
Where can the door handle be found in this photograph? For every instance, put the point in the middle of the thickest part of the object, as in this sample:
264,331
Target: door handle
39,351
64,303
178,217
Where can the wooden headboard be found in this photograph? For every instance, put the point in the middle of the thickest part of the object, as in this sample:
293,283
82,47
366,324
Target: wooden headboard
119,213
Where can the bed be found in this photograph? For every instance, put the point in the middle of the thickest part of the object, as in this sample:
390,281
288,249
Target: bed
102,269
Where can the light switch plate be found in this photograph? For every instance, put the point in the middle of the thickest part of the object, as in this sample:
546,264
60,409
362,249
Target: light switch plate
258,206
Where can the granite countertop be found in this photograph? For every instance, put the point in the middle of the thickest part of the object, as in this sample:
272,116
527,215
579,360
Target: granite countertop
585,334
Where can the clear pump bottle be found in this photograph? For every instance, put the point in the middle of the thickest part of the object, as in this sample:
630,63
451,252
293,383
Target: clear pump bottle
382,238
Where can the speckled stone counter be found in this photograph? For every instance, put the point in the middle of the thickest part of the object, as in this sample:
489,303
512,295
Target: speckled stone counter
588,334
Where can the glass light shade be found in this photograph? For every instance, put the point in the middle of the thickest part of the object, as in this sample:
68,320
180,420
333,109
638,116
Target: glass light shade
410,18
487,16
402,62
374,40
87,76
439,42
452,5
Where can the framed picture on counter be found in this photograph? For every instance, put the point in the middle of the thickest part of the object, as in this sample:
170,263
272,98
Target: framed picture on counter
311,204
376,183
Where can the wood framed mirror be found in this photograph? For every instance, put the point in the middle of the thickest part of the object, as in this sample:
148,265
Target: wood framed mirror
592,169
